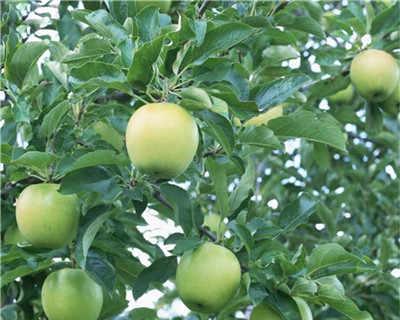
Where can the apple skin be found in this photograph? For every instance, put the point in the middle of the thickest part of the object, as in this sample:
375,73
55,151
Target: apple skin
374,73
342,96
164,5
207,278
265,117
214,223
392,104
70,294
264,312
45,217
162,139
14,236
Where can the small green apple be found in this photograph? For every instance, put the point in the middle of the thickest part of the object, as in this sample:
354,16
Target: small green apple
162,139
342,96
164,5
45,217
392,104
265,117
374,73
264,312
70,294
207,278
214,223
14,236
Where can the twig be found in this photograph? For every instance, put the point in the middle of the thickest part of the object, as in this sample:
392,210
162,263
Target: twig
159,197
208,233
203,7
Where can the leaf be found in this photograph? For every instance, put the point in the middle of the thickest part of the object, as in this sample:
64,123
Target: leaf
321,127
52,120
297,213
279,90
245,187
260,136
327,87
99,157
101,270
180,201
23,270
88,233
220,184
327,217
387,20
101,21
331,258
24,58
220,128
141,72
219,39
36,160
243,233
158,272
301,23
330,294
148,23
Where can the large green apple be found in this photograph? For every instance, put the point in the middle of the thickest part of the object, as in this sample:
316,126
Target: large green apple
342,96
214,223
162,139
14,236
45,217
392,104
265,117
374,74
70,294
207,278
164,5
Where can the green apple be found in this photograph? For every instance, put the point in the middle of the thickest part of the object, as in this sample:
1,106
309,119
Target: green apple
264,312
214,223
109,134
164,5
162,139
342,96
265,117
14,236
392,104
207,278
45,217
375,74
70,294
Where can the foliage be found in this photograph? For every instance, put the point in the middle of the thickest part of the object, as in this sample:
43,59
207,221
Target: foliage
310,199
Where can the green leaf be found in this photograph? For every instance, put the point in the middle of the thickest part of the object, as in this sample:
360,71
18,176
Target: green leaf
330,294
51,120
331,258
297,213
88,233
24,58
36,160
327,217
301,23
102,22
141,70
245,187
260,136
220,184
219,39
277,91
327,87
158,272
321,127
23,270
387,20
148,23
243,233
180,201
219,128
99,157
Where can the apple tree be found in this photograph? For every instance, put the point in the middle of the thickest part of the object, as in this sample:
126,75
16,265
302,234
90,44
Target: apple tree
236,159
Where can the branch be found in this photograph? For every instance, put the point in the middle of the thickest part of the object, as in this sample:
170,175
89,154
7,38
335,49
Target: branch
203,7
208,233
159,197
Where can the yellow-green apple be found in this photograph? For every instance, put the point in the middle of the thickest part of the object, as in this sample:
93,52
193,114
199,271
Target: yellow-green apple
45,217
162,139
207,278
264,312
70,294
375,74
392,104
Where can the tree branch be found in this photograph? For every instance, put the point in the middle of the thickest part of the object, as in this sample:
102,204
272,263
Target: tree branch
203,7
159,197
208,233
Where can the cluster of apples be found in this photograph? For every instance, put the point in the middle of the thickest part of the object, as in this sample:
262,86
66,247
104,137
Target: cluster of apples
375,74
